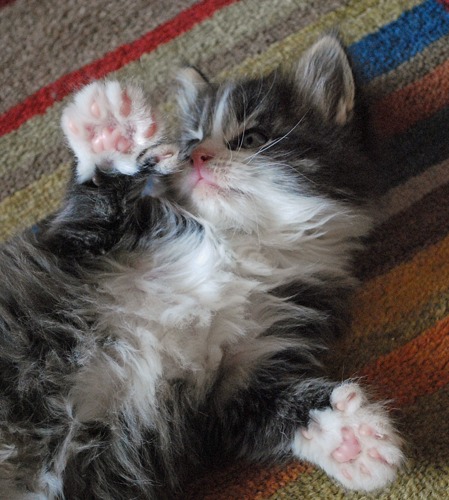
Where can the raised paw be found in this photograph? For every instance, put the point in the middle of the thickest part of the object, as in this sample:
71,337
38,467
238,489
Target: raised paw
107,126
353,441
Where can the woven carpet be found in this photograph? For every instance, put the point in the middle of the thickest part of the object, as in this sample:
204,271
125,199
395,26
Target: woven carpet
399,339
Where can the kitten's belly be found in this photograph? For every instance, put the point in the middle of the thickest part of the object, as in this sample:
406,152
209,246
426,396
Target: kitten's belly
160,323
142,352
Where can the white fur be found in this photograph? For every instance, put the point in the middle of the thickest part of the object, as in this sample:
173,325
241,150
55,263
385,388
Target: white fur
171,314
221,110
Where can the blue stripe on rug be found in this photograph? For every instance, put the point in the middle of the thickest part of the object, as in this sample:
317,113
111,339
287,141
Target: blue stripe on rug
400,40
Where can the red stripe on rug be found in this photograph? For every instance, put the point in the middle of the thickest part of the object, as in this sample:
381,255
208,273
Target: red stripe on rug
413,103
45,97
4,3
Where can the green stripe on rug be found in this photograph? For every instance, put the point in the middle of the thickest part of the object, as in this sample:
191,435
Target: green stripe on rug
27,206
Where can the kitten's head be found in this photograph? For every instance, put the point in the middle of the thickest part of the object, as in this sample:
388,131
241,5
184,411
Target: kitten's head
252,146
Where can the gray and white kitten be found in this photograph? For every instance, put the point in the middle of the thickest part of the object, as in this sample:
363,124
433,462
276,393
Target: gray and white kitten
173,312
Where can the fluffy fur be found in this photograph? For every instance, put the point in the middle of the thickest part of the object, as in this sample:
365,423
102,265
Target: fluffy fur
175,308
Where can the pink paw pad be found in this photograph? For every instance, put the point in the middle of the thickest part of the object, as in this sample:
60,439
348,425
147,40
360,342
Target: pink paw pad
109,139
350,447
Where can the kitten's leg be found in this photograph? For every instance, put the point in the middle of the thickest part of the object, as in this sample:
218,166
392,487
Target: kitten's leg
331,425
116,139
108,125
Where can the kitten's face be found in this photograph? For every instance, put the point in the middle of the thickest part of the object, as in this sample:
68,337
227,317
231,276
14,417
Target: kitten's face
249,145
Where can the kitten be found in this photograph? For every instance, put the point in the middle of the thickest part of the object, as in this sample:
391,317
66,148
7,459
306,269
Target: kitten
173,311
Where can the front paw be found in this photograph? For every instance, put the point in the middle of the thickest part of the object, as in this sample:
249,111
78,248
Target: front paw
108,126
353,441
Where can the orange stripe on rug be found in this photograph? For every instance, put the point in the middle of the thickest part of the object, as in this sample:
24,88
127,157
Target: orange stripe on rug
386,300
418,368
415,102
254,483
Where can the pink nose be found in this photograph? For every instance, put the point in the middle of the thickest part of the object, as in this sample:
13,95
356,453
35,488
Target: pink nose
200,157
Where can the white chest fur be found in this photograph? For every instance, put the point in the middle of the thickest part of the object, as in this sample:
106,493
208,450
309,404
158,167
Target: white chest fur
167,315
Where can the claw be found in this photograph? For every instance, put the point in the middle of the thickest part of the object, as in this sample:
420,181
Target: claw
95,109
346,473
306,434
374,453
73,128
97,144
365,430
123,145
364,470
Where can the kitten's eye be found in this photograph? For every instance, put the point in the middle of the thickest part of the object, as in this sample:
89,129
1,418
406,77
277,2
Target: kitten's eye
252,138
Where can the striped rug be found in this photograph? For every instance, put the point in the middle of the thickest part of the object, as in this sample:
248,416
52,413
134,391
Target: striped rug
399,340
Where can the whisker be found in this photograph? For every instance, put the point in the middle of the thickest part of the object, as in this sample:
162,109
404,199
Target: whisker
287,166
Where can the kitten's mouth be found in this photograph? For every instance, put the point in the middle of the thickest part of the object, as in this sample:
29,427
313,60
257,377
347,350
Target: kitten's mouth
202,176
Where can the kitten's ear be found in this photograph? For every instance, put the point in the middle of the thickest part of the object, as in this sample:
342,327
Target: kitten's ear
191,83
325,77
